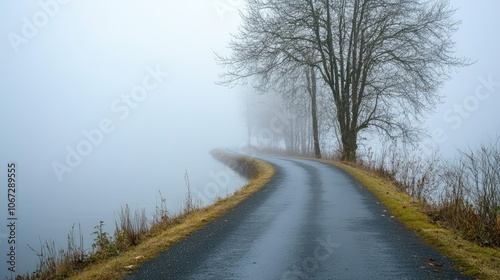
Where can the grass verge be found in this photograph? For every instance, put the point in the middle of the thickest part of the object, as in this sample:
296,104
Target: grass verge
183,225
470,258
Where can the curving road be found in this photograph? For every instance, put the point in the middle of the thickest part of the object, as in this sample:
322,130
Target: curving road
311,222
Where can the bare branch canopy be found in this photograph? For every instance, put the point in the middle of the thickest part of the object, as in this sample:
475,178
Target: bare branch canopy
383,61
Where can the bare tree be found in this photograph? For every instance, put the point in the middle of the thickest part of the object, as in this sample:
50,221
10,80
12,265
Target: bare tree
280,122
383,60
313,92
292,90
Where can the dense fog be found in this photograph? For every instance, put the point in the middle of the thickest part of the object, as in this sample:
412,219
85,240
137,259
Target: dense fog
108,103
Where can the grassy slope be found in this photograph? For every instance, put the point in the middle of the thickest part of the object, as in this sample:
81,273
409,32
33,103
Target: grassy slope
118,267
471,259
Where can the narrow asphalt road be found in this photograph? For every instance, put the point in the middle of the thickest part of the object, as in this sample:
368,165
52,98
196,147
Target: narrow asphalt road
311,222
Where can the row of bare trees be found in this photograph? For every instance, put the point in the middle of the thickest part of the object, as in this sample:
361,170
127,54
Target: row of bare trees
282,122
381,62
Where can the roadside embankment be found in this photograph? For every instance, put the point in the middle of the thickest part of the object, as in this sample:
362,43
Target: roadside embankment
245,166
174,229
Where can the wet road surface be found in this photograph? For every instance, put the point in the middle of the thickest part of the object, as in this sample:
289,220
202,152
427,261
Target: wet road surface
311,222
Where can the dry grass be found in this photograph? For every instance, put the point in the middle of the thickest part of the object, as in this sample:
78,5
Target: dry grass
179,227
471,259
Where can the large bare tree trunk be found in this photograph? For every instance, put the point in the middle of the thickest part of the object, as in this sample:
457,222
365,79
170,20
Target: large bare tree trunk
312,88
349,145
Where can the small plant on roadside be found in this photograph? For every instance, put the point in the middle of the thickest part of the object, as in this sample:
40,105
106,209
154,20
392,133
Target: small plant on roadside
189,204
131,229
47,262
74,257
161,214
103,246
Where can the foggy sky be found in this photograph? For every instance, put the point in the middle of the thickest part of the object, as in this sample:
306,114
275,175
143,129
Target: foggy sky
81,68
469,114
